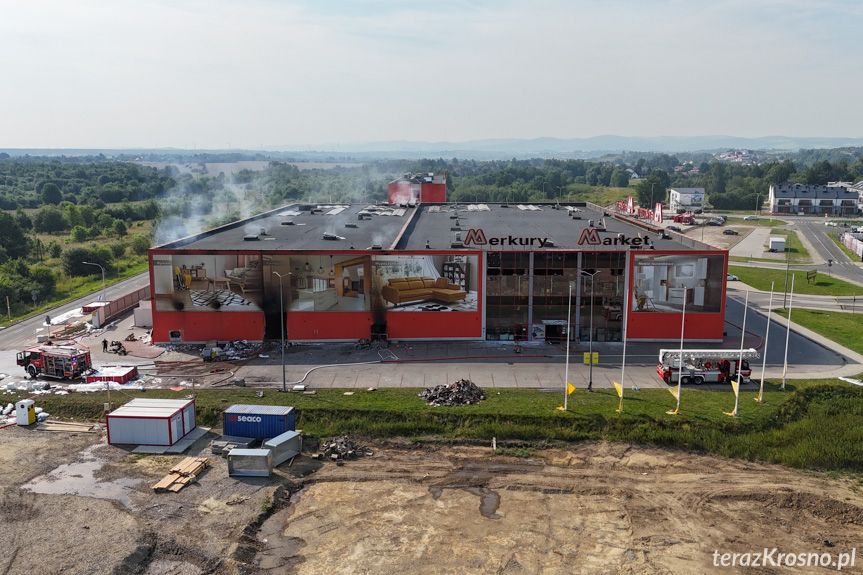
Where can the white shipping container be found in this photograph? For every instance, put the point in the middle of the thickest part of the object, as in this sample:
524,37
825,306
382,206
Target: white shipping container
151,422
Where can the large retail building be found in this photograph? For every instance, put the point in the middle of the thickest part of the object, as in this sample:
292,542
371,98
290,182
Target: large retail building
437,271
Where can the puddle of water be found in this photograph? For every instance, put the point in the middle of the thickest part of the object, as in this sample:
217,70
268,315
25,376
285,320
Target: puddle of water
78,479
489,500
280,551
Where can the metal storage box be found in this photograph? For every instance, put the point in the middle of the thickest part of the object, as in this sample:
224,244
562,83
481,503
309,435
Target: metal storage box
151,422
25,412
284,446
258,421
250,462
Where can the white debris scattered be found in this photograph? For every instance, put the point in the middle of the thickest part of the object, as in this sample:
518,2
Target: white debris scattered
852,381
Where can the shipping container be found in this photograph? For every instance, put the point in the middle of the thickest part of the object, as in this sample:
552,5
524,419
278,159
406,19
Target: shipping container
115,374
258,421
250,462
284,446
151,422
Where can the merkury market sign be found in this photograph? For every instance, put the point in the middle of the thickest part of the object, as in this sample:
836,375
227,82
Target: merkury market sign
589,236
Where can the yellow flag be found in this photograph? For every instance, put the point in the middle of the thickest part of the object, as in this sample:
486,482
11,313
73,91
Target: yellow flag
619,389
735,386
673,391
569,388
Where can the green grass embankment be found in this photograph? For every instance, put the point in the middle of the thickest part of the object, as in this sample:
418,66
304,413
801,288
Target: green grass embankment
823,284
810,425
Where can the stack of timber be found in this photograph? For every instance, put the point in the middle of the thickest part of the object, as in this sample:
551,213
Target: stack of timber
182,474
67,426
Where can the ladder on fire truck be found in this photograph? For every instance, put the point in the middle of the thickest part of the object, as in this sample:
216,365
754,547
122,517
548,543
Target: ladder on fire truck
671,357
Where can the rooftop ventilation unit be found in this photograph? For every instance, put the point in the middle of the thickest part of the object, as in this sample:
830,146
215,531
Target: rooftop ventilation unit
351,225
376,247
456,244
263,231
288,223
428,245
590,223
330,236
250,238
549,243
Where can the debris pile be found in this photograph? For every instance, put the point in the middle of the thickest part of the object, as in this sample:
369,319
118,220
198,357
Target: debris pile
341,448
462,392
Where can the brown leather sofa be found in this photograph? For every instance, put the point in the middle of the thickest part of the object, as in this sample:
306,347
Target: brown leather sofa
404,290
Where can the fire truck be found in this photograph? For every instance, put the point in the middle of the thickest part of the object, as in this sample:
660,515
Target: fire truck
705,365
684,219
63,361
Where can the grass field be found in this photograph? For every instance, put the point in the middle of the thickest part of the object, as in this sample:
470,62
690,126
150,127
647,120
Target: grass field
843,328
810,425
760,278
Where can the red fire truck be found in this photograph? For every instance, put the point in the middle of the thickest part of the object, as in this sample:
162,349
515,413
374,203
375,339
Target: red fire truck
64,361
684,219
705,365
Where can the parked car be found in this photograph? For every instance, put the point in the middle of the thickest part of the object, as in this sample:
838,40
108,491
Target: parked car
714,223
750,218
732,278
730,232
674,229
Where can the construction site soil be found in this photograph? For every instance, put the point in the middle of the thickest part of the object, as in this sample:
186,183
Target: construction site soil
72,504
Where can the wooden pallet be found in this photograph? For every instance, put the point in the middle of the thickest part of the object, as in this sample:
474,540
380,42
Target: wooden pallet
182,474
67,426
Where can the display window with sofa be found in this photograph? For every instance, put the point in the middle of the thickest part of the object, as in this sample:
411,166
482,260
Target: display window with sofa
425,283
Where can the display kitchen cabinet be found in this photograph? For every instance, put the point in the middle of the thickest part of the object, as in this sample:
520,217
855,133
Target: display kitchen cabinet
457,273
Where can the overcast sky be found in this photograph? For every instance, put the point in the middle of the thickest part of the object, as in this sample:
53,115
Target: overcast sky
263,73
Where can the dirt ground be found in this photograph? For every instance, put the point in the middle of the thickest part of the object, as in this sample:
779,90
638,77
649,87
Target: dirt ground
72,504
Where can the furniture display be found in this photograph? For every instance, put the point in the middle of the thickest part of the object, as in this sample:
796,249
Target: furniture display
321,300
456,273
247,279
403,290
214,283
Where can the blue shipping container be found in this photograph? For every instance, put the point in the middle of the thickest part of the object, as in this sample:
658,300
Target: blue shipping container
258,421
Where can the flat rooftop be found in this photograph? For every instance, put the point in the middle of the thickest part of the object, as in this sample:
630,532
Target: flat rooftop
511,227
504,227
301,227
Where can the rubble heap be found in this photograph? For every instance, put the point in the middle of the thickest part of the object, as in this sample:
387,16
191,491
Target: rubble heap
462,392
341,448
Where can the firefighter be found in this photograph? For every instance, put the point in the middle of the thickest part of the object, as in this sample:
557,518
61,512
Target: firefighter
724,367
105,345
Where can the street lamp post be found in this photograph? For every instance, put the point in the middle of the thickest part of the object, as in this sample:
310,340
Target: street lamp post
282,322
566,371
787,269
103,277
559,193
590,338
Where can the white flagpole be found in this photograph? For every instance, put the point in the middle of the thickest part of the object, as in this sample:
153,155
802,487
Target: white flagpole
740,359
760,398
625,325
680,363
788,332
566,371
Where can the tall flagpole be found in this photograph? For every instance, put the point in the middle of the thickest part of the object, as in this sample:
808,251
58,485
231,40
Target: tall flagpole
760,398
680,362
623,367
566,371
788,332
740,359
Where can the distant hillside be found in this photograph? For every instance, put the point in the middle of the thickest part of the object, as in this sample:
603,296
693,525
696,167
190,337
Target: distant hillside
493,149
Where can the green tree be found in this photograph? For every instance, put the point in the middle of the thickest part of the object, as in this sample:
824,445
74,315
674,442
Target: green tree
74,258
23,219
117,248
49,219
140,244
119,228
80,234
12,238
51,194
54,249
